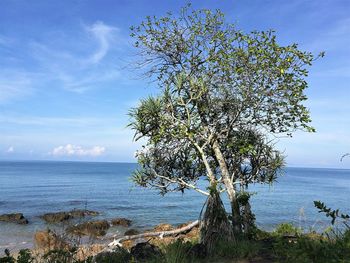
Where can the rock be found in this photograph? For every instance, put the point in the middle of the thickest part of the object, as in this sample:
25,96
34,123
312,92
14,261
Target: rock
121,222
92,228
82,213
59,217
128,244
163,227
145,251
17,218
49,240
131,232
190,235
56,217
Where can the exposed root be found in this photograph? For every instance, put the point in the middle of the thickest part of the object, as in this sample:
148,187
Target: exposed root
215,225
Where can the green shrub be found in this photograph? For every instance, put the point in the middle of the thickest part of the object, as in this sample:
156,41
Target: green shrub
286,229
25,256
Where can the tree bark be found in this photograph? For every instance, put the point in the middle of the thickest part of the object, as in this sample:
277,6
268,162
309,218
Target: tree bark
231,191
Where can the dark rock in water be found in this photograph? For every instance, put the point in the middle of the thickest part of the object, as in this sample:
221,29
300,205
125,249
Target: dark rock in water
92,228
56,217
64,216
131,232
82,213
17,218
117,255
121,222
145,251
48,240
198,251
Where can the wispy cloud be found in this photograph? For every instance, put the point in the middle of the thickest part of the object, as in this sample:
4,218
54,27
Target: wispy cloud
76,150
335,72
104,34
47,121
4,41
333,37
78,64
11,149
81,71
14,85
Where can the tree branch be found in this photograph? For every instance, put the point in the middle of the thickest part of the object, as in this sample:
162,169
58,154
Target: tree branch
181,182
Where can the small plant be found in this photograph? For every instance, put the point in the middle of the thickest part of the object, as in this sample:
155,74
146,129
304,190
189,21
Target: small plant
334,214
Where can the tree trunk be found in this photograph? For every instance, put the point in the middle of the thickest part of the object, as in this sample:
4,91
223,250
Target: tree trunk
247,219
215,225
231,191
236,216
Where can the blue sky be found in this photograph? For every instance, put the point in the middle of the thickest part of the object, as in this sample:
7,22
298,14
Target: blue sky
66,84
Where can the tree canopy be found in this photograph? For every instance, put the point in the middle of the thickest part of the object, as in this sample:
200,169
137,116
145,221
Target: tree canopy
223,95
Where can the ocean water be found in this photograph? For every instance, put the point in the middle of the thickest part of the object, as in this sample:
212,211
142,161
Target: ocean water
35,188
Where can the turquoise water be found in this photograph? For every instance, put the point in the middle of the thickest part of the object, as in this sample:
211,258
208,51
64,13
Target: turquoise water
35,188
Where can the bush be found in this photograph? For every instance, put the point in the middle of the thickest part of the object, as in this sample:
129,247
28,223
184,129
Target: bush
286,229
25,256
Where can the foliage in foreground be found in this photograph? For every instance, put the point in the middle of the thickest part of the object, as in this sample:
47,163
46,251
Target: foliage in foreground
285,244
314,248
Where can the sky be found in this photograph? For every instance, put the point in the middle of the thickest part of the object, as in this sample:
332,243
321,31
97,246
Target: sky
67,81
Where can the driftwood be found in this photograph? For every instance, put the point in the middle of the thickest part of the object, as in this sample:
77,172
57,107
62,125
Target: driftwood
161,234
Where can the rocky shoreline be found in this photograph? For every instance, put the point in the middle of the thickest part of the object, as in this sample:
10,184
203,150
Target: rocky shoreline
88,235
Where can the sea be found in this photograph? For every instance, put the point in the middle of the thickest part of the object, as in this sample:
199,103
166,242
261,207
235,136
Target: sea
37,187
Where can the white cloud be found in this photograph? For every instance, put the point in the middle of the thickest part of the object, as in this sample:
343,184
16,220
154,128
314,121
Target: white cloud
104,34
76,150
11,149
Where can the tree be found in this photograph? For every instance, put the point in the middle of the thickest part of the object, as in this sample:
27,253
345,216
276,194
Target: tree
224,96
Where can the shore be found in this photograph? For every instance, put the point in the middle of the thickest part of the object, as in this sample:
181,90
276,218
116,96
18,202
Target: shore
89,237
77,228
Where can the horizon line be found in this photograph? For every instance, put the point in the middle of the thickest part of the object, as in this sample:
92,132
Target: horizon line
128,162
